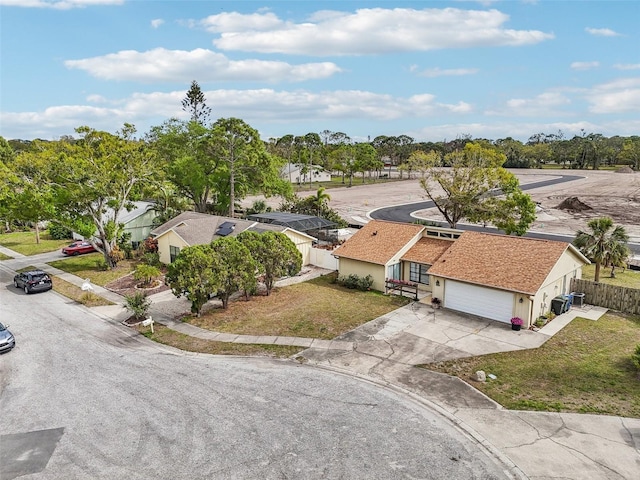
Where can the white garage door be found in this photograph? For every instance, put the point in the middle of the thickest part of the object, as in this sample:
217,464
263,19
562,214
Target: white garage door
481,301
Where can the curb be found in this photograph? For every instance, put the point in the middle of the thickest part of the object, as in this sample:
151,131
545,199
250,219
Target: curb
511,469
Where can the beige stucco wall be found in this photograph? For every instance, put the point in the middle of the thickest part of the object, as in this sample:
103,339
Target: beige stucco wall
437,291
523,310
303,243
557,283
167,240
362,269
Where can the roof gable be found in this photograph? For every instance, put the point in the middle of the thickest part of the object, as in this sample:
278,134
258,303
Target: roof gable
427,250
511,263
378,241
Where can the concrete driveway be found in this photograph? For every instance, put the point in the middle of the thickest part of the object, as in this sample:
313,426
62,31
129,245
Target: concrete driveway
417,334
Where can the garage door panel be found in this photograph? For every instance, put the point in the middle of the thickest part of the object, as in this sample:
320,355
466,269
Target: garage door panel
481,301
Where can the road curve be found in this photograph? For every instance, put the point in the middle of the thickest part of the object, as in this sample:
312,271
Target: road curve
402,213
84,398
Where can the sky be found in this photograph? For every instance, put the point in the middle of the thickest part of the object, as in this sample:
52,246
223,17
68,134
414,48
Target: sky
434,71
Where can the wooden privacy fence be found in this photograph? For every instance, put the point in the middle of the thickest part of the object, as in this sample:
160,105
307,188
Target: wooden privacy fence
622,299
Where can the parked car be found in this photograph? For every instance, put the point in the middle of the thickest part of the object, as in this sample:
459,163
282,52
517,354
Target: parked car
33,281
7,340
79,247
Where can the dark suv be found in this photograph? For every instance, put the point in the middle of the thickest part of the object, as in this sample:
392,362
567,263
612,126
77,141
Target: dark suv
34,281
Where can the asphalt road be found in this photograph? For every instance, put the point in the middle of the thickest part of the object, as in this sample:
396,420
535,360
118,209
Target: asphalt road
82,397
402,213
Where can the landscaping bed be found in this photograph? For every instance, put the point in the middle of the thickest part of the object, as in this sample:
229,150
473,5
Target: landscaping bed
127,285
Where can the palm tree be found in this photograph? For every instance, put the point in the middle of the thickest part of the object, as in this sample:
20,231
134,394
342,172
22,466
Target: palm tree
320,199
603,245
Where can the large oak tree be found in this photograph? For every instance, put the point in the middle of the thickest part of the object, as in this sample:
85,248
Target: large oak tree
470,185
92,181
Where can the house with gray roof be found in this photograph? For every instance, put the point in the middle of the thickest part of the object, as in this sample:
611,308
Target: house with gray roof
193,228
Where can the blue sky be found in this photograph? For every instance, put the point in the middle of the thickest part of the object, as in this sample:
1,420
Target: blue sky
430,70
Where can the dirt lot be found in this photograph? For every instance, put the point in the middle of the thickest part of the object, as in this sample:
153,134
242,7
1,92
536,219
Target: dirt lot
612,194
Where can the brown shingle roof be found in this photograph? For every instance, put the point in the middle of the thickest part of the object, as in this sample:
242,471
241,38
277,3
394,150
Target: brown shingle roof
510,263
378,241
427,250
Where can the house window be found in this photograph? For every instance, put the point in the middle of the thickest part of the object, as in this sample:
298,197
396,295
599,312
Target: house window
173,253
419,273
393,271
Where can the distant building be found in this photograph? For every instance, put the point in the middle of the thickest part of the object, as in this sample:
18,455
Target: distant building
301,173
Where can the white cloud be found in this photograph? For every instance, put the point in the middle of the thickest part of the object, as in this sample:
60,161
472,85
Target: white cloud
369,31
521,131
157,22
58,4
617,96
546,104
159,65
627,66
259,107
602,32
238,22
584,65
95,98
438,72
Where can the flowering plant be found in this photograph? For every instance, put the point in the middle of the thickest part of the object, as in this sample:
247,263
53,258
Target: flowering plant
400,282
435,301
516,321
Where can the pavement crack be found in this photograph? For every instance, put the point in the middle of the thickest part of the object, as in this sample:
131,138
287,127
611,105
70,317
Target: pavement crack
629,432
573,451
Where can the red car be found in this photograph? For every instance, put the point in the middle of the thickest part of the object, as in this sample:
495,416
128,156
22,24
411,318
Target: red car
76,248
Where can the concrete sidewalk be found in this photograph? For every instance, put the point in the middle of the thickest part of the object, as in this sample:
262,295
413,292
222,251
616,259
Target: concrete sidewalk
538,445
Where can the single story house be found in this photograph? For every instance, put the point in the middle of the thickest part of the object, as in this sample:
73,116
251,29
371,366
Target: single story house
303,173
193,228
489,275
138,221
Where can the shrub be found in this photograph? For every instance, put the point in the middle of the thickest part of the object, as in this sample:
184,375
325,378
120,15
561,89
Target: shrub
88,298
635,358
151,258
124,244
356,282
138,304
150,245
146,273
58,232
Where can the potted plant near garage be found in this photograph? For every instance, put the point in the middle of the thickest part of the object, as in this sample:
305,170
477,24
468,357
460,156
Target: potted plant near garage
435,303
516,323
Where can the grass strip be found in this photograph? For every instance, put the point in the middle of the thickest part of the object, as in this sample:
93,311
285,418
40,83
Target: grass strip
69,290
181,341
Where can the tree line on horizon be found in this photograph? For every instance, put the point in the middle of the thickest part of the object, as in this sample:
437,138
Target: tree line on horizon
80,181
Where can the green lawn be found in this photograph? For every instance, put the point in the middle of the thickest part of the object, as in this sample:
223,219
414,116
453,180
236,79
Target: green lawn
628,278
89,266
317,308
584,368
25,243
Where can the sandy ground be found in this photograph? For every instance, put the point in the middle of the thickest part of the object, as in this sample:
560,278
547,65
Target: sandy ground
612,194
